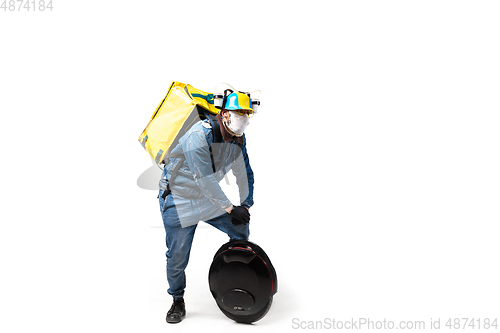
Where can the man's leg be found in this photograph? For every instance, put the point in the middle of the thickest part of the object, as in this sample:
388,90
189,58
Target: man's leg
178,241
224,224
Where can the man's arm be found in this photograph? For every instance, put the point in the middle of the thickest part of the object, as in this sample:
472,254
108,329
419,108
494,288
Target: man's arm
244,177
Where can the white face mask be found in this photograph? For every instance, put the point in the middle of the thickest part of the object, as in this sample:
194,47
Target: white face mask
237,123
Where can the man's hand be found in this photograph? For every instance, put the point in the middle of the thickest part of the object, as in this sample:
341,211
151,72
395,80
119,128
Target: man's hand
230,208
240,215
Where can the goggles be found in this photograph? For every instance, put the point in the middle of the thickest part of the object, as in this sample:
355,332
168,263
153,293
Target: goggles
242,112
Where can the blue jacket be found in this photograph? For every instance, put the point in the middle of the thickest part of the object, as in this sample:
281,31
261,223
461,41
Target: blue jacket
195,187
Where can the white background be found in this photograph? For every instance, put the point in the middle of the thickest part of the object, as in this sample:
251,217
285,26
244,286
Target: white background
375,152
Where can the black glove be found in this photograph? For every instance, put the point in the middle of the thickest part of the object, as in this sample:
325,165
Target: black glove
240,215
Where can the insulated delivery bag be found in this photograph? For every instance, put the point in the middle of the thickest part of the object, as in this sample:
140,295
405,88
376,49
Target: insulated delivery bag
182,107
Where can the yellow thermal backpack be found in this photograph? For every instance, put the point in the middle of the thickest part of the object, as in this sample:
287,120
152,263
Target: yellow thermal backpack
181,108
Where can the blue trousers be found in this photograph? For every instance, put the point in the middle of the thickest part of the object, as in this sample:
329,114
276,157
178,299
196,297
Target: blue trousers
179,241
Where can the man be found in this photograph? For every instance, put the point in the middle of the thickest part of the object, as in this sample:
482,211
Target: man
190,191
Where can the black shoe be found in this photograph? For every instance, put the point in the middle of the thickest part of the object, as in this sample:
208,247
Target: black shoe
177,312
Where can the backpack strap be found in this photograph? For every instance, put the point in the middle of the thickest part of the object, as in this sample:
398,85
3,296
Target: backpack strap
174,173
216,133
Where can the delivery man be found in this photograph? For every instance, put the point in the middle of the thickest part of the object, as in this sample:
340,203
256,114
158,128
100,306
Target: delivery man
190,191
